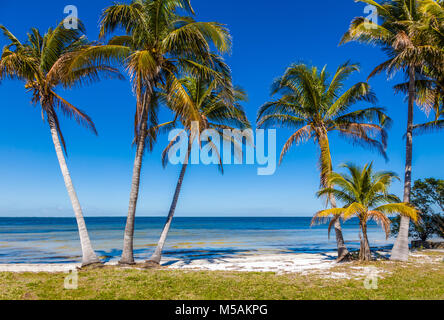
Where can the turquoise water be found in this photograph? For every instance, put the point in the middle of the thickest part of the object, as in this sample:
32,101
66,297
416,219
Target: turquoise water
55,240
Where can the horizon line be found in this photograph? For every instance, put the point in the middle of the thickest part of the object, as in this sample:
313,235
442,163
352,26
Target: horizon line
159,217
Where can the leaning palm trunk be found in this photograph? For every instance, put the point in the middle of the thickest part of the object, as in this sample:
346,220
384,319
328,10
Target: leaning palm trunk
128,240
88,254
157,255
400,250
326,168
342,249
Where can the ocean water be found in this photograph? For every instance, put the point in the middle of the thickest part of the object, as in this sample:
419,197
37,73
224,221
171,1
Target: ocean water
55,240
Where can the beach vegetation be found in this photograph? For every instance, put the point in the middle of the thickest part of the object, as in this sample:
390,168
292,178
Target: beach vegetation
163,40
365,195
410,33
316,105
418,279
428,198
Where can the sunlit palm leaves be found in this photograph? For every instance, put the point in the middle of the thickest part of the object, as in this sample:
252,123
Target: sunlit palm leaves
46,62
411,33
59,58
208,105
162,45
430,96
313,104
201,105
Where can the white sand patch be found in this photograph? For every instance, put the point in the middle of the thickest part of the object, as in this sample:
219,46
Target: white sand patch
38,267
336,275
279,263
422,258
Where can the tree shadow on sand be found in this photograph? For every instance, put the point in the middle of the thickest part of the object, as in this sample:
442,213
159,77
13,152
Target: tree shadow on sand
187,256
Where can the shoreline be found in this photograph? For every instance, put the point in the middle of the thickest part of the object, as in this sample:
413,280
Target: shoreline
279,263
263,262
308,279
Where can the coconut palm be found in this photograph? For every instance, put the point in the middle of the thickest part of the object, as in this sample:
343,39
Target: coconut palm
46,63
411,48
430,85
162,43
314,106
206,105
365,195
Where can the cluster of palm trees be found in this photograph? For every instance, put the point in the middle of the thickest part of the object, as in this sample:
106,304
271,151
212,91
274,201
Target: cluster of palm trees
176,62
171,59
411,33
315,106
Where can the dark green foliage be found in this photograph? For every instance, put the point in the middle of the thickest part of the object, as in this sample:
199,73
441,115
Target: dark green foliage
428,198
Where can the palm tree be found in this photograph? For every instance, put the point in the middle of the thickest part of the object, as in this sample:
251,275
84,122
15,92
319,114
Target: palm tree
204,106
366,196
314,106
161,44
410,48
430,86
45,63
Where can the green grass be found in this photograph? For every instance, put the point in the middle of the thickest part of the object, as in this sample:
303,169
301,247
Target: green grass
421,278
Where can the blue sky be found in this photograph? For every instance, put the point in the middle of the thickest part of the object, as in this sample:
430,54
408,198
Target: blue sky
266,39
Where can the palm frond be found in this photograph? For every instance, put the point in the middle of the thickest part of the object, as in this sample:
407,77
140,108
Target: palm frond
403,209
72,112
299,136
382,220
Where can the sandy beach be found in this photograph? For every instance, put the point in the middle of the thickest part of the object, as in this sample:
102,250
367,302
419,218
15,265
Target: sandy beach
249,263
303,263
279,263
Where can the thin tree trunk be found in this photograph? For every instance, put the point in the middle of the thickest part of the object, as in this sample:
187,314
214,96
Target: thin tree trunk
88,254
128,240
365,253
400,250
342,249
325,150
157,255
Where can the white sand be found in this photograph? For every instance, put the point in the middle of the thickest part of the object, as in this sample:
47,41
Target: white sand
280,263
264,262
285,262
38,267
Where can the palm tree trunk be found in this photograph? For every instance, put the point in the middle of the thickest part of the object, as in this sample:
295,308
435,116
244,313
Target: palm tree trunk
157,255
342,249
364,253
326,161
88,254
400,250
128,240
